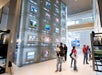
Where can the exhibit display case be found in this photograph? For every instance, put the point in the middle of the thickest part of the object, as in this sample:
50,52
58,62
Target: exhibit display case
96,39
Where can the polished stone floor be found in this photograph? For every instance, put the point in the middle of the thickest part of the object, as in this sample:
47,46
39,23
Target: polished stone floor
49,67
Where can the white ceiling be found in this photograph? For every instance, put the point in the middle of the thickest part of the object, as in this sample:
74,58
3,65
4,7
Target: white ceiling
77,6
74,6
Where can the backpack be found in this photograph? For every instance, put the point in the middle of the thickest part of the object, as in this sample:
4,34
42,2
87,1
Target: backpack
70,54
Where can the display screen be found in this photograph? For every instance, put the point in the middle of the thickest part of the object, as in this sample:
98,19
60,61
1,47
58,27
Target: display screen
45,53
34,9
57,1
47,15
57,20
57,10
47,27
57,30
46,39
63,7
75,43
32,38
33,24
48,4
30,55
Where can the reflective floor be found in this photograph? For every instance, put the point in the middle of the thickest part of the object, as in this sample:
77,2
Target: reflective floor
49,67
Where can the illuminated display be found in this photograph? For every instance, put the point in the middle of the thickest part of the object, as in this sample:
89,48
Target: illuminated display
63,7
57,10
31,39
57,20
45,53
34,9
48,4
33,24
57,1
30,55
47,27
57,30
45,39
47,15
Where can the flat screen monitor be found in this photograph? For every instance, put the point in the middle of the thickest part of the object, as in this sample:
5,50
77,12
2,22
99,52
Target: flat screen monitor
47,15
57,20
33,24
34,9
30,55
48,4
45,53
57,30
57,1
32,39
47,27
63,7
45,39
56,10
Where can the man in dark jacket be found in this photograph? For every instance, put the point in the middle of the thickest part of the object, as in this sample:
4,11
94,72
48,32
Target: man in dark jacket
65,52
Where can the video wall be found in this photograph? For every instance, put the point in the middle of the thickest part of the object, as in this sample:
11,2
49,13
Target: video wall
41,30
63,21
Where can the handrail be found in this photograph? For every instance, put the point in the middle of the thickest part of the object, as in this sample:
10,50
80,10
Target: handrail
80,21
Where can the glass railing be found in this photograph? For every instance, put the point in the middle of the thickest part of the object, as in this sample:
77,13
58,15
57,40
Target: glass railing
80,21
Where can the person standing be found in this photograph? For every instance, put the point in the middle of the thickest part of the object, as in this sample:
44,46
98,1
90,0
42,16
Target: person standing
65,52
71,57
61,54
74,58
89,52
85,52
59,60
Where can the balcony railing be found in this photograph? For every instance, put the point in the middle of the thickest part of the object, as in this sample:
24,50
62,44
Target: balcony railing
80,21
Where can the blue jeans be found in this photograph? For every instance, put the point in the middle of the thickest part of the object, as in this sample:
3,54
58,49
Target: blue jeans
59,63
85,58
75,66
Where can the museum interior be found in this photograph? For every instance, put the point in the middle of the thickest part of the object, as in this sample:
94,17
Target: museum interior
30,31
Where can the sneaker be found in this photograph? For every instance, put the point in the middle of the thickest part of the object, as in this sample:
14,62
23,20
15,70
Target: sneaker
60,70
56,71
76,70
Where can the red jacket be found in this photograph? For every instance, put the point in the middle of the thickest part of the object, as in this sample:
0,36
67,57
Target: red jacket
84,50
74,51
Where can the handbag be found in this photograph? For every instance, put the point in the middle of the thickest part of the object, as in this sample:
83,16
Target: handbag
73,56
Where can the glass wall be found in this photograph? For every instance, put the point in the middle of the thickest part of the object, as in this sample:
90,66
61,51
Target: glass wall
42,22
